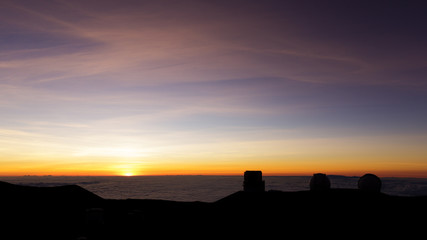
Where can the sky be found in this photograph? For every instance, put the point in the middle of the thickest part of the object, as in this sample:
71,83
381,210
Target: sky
213,87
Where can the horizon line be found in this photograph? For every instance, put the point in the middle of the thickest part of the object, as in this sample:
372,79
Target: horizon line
225,175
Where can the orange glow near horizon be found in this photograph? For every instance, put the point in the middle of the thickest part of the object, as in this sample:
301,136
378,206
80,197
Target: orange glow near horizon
302,168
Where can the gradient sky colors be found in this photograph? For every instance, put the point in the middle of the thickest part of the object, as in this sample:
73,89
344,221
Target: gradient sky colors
213,87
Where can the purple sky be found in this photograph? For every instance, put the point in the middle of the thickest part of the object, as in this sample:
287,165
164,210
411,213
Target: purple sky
282,86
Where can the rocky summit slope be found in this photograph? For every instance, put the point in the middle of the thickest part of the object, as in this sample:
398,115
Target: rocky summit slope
71,212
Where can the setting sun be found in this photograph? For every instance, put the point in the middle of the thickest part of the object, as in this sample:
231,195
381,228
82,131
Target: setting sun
128,174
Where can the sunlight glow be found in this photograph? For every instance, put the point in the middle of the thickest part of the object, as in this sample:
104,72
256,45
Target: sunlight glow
123,152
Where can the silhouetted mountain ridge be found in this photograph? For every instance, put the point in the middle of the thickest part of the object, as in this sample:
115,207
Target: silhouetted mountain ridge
67,193
71,212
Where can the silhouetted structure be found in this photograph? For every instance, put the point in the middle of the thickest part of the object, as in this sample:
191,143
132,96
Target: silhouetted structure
253,182
370,183
320,182
94,216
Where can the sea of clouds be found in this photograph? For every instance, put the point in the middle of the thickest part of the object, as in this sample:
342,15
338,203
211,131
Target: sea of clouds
204,188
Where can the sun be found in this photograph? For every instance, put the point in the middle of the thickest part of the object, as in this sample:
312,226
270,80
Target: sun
127,170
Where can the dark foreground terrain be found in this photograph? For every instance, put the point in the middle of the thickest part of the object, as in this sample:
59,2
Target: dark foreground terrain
71,212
